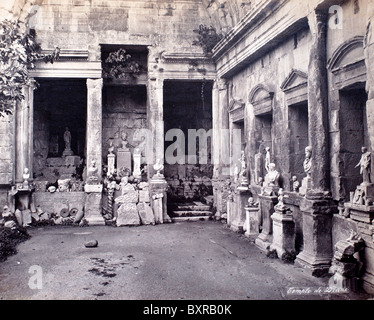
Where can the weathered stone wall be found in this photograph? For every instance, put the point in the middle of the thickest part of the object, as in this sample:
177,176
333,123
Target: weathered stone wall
275,132
124,110
80,24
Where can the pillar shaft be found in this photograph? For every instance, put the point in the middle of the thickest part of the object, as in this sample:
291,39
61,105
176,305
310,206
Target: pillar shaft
24,134
318,104
155,116
94,123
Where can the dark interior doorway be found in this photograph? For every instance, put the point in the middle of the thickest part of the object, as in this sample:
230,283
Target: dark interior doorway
188,105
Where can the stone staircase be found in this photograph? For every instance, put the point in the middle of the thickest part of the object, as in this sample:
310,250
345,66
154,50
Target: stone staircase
191,211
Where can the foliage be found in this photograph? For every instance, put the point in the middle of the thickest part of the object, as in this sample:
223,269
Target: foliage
18,53
120,64
207,38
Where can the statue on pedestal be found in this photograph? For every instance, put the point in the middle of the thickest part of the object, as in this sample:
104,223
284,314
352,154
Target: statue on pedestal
308,161
272,177
158,167
295,184
365,166
267,159
124,142
92,174
67,140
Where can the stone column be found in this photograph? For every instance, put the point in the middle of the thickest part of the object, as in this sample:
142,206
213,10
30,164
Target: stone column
155,117
224,141
93,203
318,104
317,207
24,134
94,123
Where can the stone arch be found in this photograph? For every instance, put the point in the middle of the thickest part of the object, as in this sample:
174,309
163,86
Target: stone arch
349,52
261,98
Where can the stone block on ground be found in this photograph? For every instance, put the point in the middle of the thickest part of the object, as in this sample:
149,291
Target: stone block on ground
145,213
127,215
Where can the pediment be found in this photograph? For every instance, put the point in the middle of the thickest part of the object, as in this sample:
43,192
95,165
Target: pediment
295,79
236,104
349,53
260,94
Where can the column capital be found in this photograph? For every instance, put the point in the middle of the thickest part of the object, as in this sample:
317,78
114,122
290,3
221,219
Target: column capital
220,84
94,83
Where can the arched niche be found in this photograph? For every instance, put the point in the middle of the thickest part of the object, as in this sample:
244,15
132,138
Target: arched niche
261,98
347,63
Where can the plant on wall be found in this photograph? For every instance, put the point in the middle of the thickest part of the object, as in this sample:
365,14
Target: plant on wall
18,53
120,65
207,38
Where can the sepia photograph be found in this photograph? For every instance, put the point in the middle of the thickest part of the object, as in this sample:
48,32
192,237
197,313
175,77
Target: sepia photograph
186,156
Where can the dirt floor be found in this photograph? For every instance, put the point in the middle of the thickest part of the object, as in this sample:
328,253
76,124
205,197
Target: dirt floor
186,260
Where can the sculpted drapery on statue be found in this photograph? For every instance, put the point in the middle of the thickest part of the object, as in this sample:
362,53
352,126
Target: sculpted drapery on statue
365,165
67,139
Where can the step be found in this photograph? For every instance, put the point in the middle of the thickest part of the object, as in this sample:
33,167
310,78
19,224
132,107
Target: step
188,213
191,219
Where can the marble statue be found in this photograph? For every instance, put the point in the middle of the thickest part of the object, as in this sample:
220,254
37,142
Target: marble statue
67,139
92,173
158,167
124,141
267,159
295,184
26,177
140,148
308,161
272,177
111,147
365,165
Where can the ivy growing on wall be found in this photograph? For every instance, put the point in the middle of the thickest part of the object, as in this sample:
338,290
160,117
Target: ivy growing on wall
120,65
18,53
207,38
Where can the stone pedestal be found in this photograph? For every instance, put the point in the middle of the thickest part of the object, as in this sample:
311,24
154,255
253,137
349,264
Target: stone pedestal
237,216
124,159
283,232
93,206
317,233
158,188
137,161
251,225
265,239
111,163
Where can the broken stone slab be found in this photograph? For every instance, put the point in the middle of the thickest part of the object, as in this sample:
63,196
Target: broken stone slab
145,213
18,215
91,244
35,216
127,215
26,217
10,224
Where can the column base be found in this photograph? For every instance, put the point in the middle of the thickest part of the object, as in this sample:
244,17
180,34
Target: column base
317,266
264,241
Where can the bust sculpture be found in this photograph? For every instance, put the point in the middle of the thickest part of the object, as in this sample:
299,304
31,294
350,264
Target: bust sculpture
124,141
308,161
365,165
158,167
272,177
295,184
92,173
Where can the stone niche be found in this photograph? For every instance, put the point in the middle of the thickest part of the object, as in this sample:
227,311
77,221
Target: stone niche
59,104
124,112
188,106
